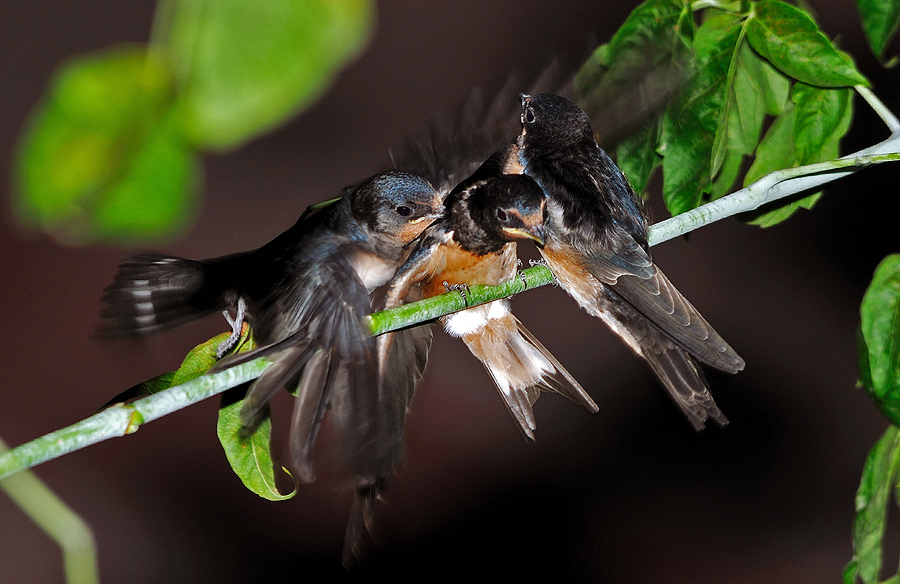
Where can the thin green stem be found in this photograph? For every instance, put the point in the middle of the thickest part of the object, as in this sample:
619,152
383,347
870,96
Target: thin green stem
886,115
58,521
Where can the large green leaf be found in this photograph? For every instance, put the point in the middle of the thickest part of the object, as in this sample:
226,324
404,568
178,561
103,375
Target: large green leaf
879,19
791,40
691,123
878,482
103,156
879,349
244,67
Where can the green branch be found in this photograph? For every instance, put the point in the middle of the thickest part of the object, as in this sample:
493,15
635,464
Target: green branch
123,419
127,418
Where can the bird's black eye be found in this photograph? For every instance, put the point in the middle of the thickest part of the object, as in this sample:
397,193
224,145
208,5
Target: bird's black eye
528,115
404,211
501,214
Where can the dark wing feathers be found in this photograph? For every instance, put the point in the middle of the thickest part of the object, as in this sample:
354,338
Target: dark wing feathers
682,377
403,366
676,368
309,409
456,145
150,293
631,274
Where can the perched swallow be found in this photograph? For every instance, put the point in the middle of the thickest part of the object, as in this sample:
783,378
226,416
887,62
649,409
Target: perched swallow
596,246
474,243
305,294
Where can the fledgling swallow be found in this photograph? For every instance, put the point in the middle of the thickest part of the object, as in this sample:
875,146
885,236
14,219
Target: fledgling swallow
474,243
305,294
596,246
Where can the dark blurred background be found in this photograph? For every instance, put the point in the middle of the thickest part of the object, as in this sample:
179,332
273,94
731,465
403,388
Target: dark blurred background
630,494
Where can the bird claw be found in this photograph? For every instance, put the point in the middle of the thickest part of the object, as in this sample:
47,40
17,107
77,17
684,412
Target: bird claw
461,288
543,262
236,323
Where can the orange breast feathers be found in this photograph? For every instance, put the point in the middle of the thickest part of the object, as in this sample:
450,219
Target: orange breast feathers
461,267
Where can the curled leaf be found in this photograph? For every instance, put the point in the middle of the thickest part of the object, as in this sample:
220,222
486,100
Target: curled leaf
879,347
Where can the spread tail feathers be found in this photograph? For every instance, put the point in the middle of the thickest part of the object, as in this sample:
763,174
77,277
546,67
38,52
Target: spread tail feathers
520,366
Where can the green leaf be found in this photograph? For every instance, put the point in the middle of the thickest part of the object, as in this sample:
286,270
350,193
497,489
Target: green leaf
102,156
245,67
154,198
159,383
790,39
775,152
808,131
691,123
879,356
728,174
878,482
628,82
822,118
196,363
637,155
879,19
758,89
250,456
202,357
646,43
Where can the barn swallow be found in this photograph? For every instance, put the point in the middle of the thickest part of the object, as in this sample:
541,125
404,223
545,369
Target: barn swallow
596,246
474,243
305,293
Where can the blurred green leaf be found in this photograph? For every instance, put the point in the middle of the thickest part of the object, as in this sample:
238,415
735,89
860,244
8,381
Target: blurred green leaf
879,356
102,156
245,67
880,19
791,40
646,49
626,84
692,121
872,498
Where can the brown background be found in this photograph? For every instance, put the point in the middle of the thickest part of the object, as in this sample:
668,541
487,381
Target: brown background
630,494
